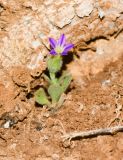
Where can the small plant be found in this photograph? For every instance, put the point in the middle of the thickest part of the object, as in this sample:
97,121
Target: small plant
56,86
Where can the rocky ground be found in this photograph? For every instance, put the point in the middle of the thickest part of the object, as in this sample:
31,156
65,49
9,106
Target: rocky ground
95,97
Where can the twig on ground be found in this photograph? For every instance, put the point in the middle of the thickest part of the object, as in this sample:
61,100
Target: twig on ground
91,133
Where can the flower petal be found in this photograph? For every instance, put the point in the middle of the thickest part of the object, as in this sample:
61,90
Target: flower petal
68,47
61,40
64,53
52,42
53,52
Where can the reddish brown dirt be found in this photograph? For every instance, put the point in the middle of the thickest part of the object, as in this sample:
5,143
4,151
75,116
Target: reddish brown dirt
30,132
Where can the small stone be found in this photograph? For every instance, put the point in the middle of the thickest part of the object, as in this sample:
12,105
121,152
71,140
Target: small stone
106,83
55,157
7,124
36,44
80,107
101,13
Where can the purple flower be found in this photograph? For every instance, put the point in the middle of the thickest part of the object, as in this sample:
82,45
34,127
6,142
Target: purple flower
60,46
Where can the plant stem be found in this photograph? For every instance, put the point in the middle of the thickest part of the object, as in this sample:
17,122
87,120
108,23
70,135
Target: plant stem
53,78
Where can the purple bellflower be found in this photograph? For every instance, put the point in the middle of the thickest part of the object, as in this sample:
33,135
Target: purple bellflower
60,47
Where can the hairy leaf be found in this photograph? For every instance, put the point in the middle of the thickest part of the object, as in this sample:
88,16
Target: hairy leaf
54,64
55,92
65,81
41,98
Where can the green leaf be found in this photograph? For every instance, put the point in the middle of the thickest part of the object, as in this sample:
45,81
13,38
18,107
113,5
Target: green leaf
64,74
54,64
41,98
65,81
55,92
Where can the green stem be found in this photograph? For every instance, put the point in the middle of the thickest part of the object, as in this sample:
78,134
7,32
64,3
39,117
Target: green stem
53,78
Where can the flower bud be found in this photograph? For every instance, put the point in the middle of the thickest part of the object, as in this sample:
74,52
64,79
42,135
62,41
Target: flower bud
54,64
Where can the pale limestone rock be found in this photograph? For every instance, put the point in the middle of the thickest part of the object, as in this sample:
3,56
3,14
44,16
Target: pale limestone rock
62,15
81,21
84,8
